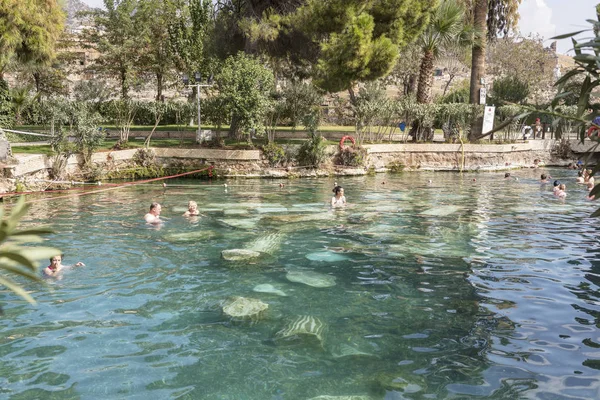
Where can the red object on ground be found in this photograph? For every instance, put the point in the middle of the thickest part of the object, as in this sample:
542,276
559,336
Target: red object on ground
350,138
591,130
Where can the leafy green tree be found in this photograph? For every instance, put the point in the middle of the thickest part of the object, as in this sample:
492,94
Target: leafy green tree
50,78
29,30
357,40
88,138
20,98
313,152
460,94
509,89
406,71
339,43
244,85
123,113
300,98
446,29
156,55
527,59
116,36
490,19
96,91
189,27
7,116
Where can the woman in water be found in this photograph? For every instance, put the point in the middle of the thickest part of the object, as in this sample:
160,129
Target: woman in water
192,209
56,266
338,200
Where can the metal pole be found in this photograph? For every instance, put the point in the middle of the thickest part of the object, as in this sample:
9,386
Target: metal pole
199,135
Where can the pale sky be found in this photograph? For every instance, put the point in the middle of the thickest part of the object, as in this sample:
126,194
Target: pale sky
547,18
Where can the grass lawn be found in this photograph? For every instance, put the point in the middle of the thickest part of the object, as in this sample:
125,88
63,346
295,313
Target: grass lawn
175,128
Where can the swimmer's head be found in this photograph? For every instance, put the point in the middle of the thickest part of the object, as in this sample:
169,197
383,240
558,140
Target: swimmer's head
338,190
556,183
192,205
507,175
562,186
155,208
544,177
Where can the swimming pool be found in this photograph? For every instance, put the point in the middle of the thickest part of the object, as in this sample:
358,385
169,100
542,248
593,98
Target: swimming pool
454,289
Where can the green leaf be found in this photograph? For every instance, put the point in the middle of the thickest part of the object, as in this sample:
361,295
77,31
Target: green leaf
33,231
567,76
585,58
40,253
568,35
595,190
23,272
11,255
575,48
17,289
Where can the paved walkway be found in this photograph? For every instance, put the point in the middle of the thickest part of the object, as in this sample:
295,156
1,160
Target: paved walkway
22,144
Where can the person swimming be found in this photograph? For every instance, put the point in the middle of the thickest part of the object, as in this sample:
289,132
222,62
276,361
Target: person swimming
56,266
192,209
153,216
556,185
338,200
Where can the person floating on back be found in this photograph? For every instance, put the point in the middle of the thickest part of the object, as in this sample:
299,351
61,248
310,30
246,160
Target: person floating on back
153,216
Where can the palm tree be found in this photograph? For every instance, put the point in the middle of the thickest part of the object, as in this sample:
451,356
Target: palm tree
20,98
447,29
490,18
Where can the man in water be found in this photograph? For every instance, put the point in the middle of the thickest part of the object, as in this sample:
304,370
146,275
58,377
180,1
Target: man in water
153,216
56,266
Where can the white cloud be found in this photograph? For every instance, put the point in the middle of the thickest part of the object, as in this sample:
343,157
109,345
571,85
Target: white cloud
536,18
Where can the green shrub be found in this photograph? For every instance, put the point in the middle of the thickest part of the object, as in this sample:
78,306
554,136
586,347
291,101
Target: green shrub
7,117
144,157
274,153
313,152
351,156
509,89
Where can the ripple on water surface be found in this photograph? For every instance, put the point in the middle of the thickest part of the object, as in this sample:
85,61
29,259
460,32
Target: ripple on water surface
462,289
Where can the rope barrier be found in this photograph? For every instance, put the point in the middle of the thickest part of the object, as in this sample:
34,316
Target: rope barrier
111,186
27,133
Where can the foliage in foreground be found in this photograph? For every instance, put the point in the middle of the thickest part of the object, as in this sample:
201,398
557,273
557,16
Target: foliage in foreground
16,258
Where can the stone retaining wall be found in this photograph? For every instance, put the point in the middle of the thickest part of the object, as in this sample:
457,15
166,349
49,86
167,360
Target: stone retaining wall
380,157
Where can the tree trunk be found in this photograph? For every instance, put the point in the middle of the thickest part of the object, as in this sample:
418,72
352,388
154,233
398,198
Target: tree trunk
234,129
448,84
425,78
159,86
478,62
37,80
124,86
409,85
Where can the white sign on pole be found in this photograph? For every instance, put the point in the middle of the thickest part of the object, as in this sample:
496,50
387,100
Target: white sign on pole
488,119
482,95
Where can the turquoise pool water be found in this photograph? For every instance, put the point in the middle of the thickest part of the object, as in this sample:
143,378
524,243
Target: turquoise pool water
454,289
